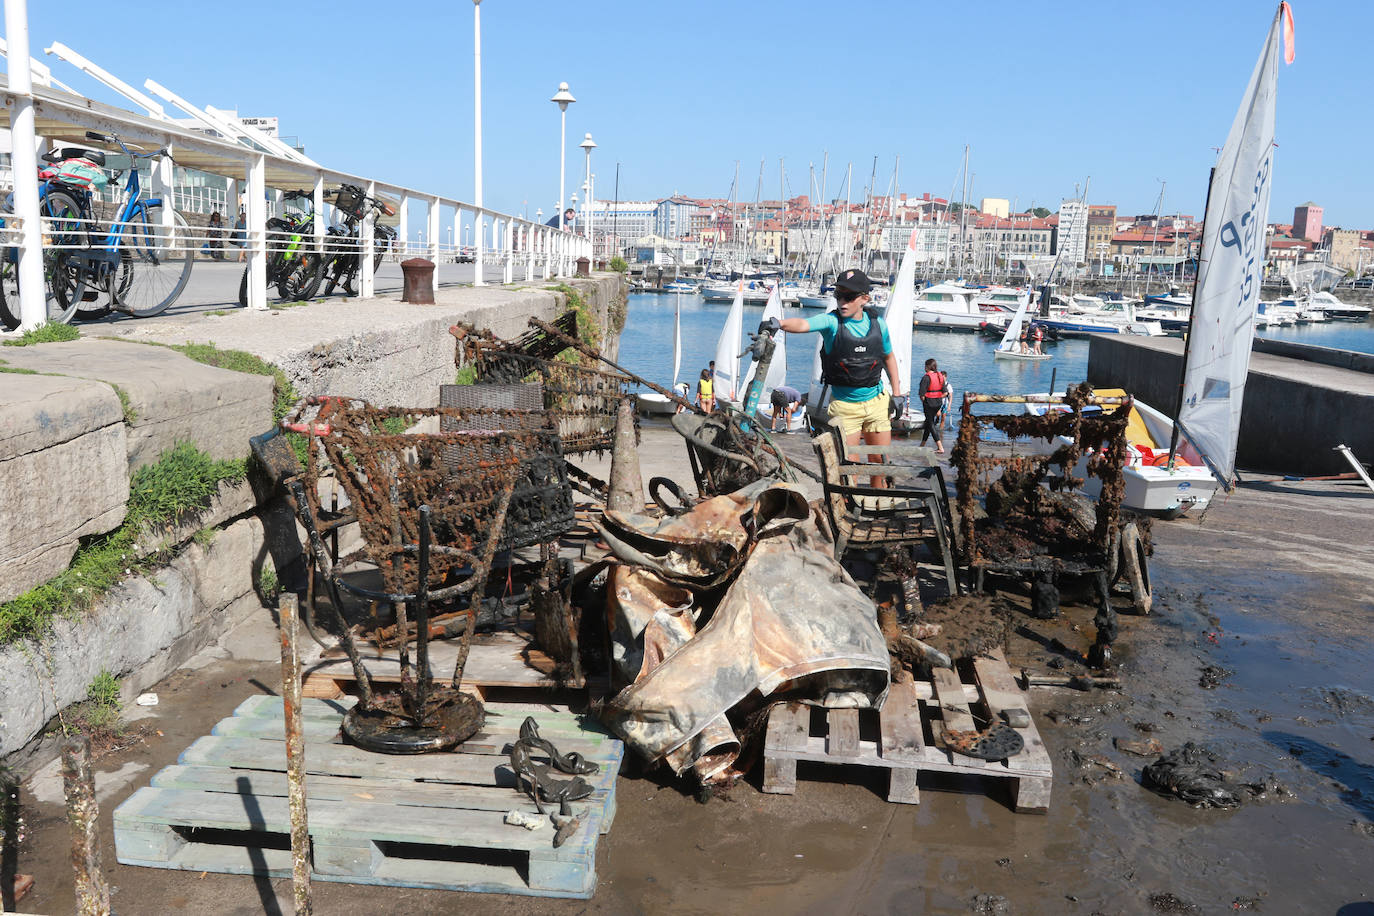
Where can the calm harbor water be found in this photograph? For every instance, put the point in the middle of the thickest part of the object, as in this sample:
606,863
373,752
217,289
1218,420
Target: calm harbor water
646,348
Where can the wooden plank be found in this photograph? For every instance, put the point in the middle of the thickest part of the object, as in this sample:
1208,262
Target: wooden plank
339,821
495,660
356,791
346,760
999,690
903,786
949,694
842,736
899,722
789,724
485,741
359,852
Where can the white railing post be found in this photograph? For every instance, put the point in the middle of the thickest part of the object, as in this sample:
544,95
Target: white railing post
403,228
479,262
546,246
33,306
508,237
527,236
367,287
166,172
432,228
319,213
495,243
257,231
457,231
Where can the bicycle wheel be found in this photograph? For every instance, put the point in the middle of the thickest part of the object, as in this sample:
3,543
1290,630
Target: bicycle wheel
301,278
155,263
64,233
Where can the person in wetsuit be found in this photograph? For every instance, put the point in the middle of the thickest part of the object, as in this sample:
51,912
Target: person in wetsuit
855,352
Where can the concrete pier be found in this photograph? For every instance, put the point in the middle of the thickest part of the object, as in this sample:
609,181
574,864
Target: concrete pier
1299,403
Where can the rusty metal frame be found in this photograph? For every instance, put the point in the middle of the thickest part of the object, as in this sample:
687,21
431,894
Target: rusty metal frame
1104,435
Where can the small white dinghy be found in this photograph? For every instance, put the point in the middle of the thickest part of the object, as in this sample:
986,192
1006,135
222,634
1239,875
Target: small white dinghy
1010,346
651,403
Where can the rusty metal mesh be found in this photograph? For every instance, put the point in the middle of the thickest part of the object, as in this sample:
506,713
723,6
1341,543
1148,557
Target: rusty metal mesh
582,399
1025,520
392,460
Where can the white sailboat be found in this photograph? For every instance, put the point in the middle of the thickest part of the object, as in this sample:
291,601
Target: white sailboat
1200,455
725,381
898,317
1010,347
777,369
1230,269
651,403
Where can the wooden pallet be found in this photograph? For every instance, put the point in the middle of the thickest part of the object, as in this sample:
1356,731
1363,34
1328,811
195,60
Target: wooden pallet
431,820
498,661
905,737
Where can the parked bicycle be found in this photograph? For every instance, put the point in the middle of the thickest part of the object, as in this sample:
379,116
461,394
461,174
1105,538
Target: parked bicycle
142,263
293,265
343,256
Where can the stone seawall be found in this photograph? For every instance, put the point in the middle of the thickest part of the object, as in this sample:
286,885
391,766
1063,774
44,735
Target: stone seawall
99,408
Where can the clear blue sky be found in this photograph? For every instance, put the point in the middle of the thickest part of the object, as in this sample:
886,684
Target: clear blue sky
1045,93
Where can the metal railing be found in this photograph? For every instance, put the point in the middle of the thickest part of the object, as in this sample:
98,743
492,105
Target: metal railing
518,248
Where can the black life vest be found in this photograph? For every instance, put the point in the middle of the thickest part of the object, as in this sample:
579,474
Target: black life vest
936,390
855,362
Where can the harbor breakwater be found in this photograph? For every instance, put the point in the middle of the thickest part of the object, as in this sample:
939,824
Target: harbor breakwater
1300,401
81,418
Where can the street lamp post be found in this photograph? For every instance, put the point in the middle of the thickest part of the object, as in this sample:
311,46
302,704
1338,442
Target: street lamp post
562,98
477,101
587,144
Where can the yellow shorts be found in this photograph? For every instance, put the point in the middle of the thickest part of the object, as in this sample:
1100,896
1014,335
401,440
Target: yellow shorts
866,416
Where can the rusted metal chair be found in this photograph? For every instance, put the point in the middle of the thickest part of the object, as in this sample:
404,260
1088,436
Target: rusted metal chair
914,511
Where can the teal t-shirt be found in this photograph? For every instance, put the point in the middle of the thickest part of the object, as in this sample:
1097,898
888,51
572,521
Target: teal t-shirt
828,326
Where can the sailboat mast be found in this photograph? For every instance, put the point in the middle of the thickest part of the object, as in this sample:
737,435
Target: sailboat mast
1188,334
1083,215
1154,241
963,208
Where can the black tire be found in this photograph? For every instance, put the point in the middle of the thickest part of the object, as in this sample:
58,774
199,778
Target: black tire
300,280
155,263
243,289
64,282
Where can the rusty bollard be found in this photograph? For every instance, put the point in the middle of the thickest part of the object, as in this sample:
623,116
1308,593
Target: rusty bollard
627,484
584,268
83,815
419,281
295,754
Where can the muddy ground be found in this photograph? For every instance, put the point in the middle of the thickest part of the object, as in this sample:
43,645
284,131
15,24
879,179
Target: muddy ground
1258,649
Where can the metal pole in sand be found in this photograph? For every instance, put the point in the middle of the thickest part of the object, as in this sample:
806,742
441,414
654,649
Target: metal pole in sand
295,754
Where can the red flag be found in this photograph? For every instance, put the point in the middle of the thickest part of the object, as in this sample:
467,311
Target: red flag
1287,12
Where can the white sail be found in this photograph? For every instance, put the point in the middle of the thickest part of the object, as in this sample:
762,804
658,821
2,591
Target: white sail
898,316
777,369
725,384
677,338
1013,335
1230,270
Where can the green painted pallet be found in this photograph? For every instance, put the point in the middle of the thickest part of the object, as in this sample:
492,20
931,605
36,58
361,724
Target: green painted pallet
433,821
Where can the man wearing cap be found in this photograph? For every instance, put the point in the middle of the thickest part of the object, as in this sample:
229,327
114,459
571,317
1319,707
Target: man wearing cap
855,351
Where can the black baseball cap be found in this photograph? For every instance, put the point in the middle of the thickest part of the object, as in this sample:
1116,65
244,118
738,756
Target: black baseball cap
854,281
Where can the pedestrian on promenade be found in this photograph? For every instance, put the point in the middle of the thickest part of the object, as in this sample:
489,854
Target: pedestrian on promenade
784,400
934,392
214,237
855,351
241,234
706,399
568,216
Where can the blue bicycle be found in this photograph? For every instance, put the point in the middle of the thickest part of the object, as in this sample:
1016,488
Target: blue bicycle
142,263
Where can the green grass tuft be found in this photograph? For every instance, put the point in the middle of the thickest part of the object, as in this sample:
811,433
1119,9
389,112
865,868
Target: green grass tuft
52,332
466,375
181,481
130,414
